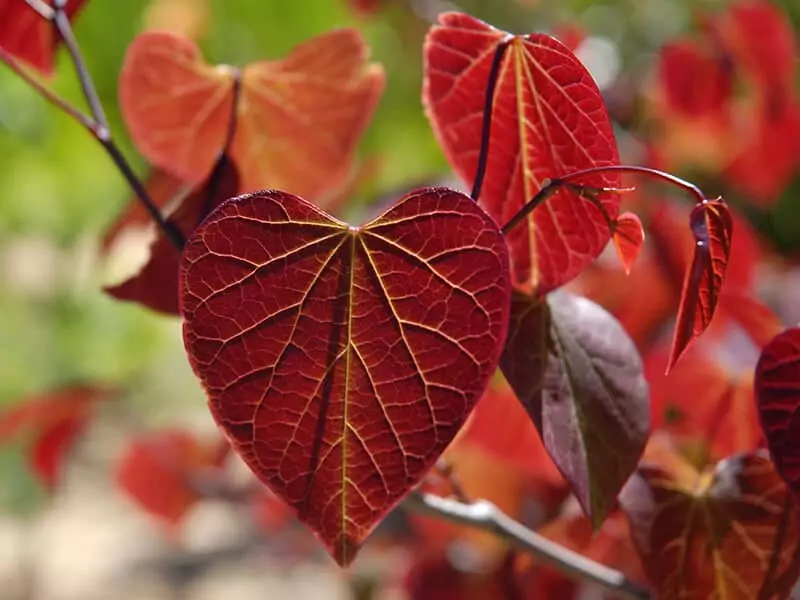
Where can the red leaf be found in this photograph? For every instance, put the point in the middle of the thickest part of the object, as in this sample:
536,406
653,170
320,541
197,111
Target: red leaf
500,427
579,376
156,284
706,408
777,388
697,80
753,316
712,228
548,121
628,239
342,360
713,534
54,420
309,108
156,471
762,40
28,36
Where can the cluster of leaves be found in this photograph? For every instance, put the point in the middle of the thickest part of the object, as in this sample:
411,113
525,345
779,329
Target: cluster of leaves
346,364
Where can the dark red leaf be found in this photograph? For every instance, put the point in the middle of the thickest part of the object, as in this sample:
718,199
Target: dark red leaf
50,450
728,532
156,284
549,120
342,360
777,388
309,108
628,239
712,228
579,376
29,37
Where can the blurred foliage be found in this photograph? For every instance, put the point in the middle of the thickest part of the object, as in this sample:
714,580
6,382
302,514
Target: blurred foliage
58,190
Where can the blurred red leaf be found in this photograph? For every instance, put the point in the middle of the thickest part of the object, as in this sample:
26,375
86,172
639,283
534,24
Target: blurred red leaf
500,426
309,108
713,534
762,40
365,8
158,471
628,239
777,389
697,79
27,36
752,315
341,360
579,376
156,284
54,420
707,408
712,228
548,121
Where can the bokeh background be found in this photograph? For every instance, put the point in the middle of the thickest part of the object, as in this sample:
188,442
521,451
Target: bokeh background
58,194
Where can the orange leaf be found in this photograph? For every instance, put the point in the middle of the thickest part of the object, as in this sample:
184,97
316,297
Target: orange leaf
548,120
728,532
298,119
628,239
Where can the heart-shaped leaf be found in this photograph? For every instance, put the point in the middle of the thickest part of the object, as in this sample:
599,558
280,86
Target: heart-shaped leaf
309,108
728,532
580,378
628,239
712,227
777,388
339,360
548,120
26,35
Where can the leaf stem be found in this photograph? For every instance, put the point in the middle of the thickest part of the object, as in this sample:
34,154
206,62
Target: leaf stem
96,123
552,186
488,107
486,516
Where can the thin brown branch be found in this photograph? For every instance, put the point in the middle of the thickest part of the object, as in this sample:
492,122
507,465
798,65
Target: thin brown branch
486,516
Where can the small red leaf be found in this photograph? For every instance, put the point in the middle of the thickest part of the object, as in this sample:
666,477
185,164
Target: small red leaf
309,108
628,239
341,360
728,532
29,37
54,420
579,376
156,471
548,121
156,284
712,227
777,388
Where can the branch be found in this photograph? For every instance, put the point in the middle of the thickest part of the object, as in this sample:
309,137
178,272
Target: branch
96,123
568,181
486,516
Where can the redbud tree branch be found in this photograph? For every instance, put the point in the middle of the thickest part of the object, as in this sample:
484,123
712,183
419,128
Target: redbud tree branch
486,516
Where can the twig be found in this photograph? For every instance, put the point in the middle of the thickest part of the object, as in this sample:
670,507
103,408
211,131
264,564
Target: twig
486,516
97,123
568,181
